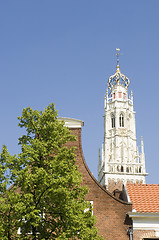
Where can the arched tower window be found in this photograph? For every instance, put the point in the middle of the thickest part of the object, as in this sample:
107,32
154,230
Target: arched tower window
113,121
121,120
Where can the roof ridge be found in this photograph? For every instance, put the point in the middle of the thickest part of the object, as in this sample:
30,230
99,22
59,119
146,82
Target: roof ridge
143,184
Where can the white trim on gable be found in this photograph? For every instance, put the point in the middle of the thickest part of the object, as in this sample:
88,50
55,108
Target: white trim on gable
71,122
145,221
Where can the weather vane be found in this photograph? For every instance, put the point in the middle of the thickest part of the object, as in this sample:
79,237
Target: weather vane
118,78
117,54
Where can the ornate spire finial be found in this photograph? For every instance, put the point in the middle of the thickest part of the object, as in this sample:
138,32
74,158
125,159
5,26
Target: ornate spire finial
118,78
117,54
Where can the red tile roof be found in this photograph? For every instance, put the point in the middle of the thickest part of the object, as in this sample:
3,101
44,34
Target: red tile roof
145,197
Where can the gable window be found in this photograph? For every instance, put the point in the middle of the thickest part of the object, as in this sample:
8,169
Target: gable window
113,120
121,120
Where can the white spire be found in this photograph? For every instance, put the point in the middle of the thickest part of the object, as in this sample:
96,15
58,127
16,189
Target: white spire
120,156
117,54
99,160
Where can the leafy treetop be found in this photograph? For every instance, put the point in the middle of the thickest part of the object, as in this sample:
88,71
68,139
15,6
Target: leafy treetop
46,200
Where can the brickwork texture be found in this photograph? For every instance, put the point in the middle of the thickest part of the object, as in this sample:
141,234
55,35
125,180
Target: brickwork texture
111,213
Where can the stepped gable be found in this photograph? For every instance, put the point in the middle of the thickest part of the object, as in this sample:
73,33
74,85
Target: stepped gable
145,197
111,212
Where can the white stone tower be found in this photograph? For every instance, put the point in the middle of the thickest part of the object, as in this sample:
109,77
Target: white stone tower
119,160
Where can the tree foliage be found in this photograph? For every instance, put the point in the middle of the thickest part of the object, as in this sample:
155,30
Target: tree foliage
46,199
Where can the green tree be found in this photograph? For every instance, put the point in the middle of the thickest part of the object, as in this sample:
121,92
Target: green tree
46,200
9,197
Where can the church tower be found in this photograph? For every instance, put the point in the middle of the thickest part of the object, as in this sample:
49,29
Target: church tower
119,160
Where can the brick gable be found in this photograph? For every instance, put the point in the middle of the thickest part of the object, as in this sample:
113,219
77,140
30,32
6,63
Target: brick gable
111,213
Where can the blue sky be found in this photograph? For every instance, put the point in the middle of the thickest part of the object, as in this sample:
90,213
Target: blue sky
64,51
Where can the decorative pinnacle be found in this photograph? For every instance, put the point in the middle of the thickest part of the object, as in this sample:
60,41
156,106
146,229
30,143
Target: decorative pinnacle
118,78
117,54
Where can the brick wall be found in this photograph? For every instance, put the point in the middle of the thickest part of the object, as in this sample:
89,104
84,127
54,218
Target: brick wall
111,213
141,234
